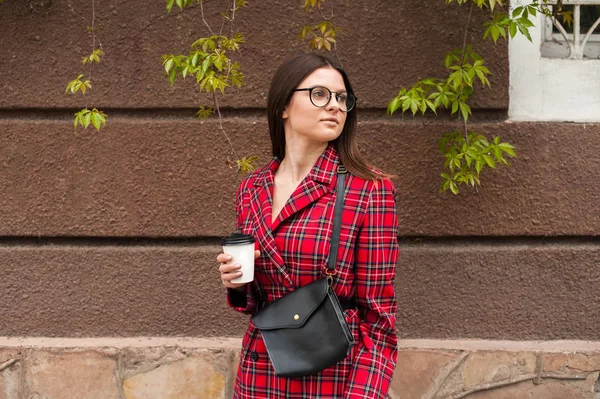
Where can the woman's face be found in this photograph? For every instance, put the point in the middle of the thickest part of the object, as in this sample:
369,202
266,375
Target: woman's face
305,121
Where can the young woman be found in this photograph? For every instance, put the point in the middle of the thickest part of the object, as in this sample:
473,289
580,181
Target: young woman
288,207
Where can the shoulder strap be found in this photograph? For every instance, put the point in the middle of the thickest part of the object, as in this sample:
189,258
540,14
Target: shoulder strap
337,218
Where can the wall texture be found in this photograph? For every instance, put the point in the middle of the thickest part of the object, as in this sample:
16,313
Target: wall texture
115,233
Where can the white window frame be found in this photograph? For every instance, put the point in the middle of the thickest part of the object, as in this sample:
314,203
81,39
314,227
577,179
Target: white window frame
550,89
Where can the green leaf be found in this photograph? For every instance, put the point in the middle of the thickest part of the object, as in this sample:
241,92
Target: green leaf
393,106
170,5
414,107
246,164
172,76
87,119
465,110
495,30
96,120
489,160
206,64
507,148
431,106
205,112
169,65
512,29
479,165
453,187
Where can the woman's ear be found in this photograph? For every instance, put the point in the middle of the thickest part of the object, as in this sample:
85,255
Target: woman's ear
284,114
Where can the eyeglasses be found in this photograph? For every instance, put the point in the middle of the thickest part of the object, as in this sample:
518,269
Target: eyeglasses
320,97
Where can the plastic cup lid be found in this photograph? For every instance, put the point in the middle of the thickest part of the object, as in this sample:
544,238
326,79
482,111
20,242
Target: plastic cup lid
238,239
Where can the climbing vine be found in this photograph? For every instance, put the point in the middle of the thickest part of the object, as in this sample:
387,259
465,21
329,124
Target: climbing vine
212,63
85,117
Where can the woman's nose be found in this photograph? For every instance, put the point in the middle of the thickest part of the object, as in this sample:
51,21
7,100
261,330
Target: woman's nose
333,104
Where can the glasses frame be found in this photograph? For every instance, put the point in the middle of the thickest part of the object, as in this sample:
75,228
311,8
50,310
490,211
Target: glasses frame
337,96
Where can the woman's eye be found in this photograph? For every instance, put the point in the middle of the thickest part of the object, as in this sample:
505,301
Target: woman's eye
318,93
342,98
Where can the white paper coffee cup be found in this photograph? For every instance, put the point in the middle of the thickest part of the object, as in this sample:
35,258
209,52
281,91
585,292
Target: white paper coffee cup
241,248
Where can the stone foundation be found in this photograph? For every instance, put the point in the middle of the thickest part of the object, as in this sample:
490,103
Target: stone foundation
174,368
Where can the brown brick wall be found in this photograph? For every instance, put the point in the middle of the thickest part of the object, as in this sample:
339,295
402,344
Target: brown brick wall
114,233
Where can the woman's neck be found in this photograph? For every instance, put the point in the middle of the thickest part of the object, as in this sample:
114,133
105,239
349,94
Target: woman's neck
299,160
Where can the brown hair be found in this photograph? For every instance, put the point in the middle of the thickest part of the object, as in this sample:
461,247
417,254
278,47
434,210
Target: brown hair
287,77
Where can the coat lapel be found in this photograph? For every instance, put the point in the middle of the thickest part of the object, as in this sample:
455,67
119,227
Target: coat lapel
262,207
317,183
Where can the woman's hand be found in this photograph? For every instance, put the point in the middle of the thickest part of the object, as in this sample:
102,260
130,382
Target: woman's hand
231,271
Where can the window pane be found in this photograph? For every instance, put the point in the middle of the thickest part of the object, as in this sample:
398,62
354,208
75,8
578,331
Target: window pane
589,15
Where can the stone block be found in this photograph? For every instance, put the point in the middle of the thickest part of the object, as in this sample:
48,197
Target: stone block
571,362
3,387
485,367
417,372
234,368
197,377
10,374
70,375
546,390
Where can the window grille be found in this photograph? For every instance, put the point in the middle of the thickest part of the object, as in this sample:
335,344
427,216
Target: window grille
574,32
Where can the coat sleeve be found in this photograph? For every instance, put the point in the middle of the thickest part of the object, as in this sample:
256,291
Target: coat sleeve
242,301
375,263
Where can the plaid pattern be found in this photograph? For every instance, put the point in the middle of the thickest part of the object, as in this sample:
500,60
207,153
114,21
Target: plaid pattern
294,252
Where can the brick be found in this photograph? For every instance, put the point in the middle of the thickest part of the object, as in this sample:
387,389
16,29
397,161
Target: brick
196,377
74,375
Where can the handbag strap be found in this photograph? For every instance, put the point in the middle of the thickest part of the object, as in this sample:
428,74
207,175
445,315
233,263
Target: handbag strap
337,220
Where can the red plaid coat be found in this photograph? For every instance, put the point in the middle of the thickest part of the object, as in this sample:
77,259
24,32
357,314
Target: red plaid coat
294,252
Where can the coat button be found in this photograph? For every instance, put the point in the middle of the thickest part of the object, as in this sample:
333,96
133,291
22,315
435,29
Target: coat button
253,356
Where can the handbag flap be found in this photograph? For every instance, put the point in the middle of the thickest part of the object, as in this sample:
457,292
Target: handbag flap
293,309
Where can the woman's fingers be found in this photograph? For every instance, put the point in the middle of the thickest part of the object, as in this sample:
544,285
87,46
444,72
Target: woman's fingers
229,268
230,271
223,258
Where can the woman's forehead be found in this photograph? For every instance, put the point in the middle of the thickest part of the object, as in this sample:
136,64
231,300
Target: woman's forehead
326,76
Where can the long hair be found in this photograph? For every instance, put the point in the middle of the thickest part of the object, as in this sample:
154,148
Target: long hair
287,77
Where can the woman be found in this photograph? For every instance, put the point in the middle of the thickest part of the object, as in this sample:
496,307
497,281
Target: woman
288,207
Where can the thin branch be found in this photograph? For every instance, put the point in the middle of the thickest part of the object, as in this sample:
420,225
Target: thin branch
233,12
467,31
461,359
335,49
323,16
216,102
330,19
464,47
204,20
162,17
93,35
7,364
527,377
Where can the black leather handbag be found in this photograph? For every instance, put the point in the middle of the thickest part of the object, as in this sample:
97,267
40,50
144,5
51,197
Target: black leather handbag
305,332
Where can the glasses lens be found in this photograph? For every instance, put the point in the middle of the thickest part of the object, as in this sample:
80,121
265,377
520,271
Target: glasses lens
320,96
346,101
